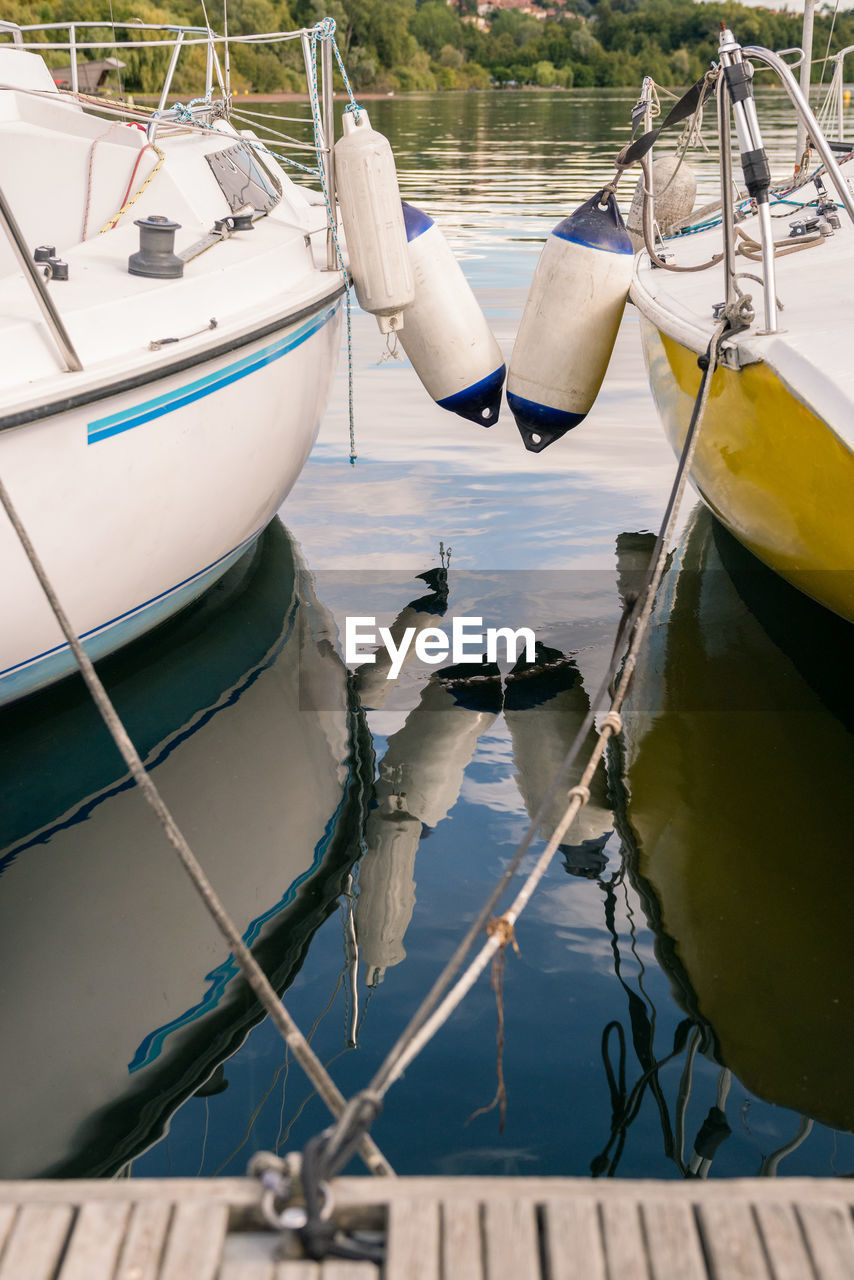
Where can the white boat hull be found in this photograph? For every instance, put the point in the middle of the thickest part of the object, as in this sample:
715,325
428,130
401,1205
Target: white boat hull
119,995
138,501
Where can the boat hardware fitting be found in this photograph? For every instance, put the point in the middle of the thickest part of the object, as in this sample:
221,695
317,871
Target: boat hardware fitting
738,75
156,256
19,248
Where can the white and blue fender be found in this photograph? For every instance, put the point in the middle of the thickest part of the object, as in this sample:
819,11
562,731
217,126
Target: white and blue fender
445,334
369,200
570,322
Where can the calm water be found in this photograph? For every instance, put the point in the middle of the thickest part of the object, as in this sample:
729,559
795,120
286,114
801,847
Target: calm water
684,984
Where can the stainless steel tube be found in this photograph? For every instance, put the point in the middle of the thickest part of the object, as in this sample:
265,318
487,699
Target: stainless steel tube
806,71
329,145
72,50
769,267
727,216
49,311
167,83
790,84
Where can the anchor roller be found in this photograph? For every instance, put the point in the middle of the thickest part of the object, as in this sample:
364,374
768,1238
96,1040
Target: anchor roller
445,334
570,322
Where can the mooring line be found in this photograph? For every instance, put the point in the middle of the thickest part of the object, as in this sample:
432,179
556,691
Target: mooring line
433,1013
328,1152
252,971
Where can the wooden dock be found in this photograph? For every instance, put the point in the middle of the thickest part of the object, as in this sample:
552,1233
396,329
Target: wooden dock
437,1229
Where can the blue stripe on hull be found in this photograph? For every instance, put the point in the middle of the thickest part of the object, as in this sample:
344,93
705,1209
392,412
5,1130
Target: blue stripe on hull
52,665
57,662
116,423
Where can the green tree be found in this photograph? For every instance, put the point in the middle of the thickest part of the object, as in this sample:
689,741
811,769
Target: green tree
544,74
435,25
450,57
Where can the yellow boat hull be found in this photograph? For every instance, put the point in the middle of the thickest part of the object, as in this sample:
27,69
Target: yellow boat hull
738,761
774,473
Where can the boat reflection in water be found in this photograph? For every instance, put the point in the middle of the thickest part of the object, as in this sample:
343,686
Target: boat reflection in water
421,773
737,764
119,998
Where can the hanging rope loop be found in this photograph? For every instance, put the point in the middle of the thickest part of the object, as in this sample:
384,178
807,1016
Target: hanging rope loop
501,928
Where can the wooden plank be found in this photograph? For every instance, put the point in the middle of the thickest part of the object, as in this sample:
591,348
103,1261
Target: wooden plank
245,1193
830,1239
247,1269
624,1243
413,1240
341,1269
672,1241
235,1191
7,1217
574,1239
731,1240
366,1191
144,1240
96,1241
462,1240
297,1271
511,1240
784,1242
195,1242
36,1242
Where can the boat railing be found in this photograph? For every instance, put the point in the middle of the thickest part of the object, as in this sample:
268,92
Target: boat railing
807,117
72,40
833,106
180,39
12,29
812,131
199,111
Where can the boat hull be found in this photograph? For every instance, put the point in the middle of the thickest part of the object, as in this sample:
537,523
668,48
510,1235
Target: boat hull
139,501
775,475
736,752
119,996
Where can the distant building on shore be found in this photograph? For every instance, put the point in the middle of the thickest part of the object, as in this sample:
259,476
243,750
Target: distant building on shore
488,8
91,76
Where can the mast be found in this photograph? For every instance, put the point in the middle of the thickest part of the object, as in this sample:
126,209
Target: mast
806,69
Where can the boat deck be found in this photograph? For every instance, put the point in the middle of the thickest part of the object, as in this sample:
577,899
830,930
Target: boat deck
438,1229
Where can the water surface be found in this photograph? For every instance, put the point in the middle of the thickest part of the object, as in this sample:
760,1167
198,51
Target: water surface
681,1001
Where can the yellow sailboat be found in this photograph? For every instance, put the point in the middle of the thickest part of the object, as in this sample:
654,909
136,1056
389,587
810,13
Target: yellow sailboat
775,452
737,766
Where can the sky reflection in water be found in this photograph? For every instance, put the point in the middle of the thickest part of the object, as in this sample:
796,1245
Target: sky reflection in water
603,1025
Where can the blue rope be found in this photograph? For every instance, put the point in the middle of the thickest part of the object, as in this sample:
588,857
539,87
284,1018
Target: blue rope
325,30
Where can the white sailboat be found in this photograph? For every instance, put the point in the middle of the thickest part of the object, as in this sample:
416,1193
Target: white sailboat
119,996
170,321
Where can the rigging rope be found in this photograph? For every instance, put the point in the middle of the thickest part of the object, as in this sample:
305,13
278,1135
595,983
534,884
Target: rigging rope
330,1151
252,971
130,202
435,1011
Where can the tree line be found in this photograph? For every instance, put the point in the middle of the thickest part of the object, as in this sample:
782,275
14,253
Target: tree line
406,45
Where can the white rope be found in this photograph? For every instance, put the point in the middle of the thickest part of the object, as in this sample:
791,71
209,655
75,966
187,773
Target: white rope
611,723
